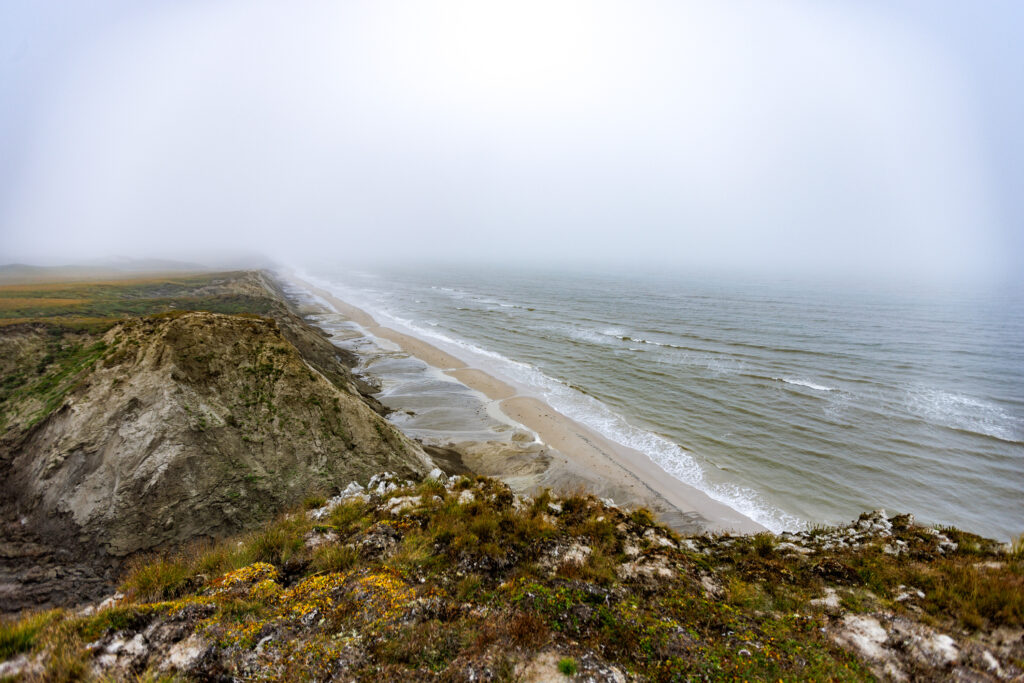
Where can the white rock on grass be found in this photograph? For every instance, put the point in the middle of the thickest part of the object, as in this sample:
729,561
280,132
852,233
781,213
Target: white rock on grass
654,538
354,491
110,602
656,567
185,655
402,503
829,601
576,554
942,647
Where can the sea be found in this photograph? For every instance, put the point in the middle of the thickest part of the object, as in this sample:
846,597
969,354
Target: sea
795,402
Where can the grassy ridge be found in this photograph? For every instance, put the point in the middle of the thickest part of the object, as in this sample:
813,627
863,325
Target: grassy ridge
95,306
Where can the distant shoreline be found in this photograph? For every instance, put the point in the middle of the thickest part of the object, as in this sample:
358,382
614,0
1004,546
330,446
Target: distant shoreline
621,467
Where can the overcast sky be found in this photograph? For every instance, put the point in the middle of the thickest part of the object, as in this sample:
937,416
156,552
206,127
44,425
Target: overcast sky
879,138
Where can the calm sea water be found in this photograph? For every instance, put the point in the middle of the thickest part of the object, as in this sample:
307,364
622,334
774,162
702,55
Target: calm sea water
794,404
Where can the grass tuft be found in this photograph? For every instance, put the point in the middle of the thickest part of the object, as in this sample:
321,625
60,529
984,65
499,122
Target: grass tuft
20,636
160,578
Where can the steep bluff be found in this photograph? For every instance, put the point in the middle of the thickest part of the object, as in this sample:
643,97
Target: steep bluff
179,426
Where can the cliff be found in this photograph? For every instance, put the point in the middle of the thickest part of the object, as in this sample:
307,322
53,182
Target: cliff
169,428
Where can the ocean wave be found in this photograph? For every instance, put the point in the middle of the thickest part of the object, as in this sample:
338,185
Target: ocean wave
651,342
586,334
462,295
803,383
964,413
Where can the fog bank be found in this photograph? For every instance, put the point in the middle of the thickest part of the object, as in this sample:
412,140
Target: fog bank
792,137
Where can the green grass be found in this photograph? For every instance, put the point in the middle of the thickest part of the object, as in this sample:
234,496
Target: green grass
162,578
20,636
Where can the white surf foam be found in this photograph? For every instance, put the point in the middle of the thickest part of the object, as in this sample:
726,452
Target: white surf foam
803,383
965,413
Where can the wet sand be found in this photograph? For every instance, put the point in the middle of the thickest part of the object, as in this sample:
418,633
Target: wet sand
581,457
490,387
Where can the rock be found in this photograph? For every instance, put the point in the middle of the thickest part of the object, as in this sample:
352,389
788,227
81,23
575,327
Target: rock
379,541
896,548
894,645
992,663
110,602
466,497
657,540
136,647
830,601
438,475
353,492
906,593
396,506
691,545
576,554
454,481
22,666
185,655
261,646
384,483
923,643
793,547
651,567
866,636
315,538
710,586
941,647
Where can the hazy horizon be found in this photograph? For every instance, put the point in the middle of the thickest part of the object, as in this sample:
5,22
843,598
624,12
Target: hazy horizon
855,140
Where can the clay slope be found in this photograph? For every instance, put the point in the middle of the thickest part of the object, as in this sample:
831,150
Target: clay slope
190,425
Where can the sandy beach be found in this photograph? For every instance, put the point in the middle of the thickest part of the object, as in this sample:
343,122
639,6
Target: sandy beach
580,457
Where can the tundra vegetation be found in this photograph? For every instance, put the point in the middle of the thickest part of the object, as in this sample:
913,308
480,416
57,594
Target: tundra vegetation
461,579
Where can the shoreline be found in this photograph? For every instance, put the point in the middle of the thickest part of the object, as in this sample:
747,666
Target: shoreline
581,455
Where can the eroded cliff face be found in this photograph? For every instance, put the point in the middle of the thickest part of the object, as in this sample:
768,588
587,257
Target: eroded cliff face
190,425
183,426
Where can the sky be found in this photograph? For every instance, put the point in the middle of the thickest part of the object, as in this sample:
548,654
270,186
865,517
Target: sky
876,138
